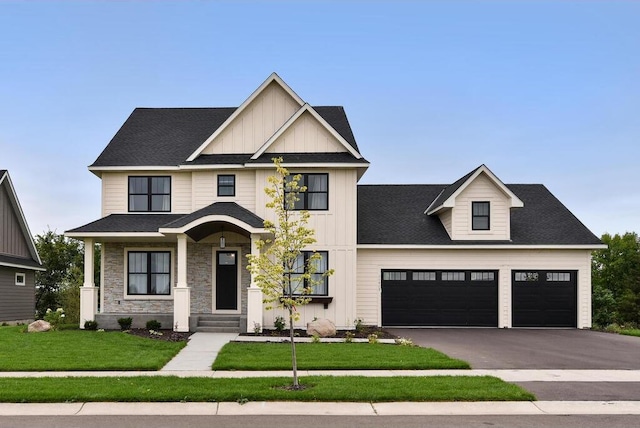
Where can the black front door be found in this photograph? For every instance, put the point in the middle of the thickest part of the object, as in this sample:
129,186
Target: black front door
226,280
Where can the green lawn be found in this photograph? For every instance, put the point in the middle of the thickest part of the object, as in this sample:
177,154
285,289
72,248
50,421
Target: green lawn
81,350
631,332
331,356
319,388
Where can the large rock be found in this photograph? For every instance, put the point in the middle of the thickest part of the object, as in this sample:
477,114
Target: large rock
39,326
321,327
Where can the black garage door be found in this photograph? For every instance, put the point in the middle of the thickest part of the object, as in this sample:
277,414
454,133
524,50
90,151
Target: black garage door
439,298
544,298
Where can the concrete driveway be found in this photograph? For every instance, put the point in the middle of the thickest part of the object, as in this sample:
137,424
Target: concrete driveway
530,348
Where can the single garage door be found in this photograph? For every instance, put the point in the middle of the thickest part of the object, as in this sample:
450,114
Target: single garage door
439,298
544,298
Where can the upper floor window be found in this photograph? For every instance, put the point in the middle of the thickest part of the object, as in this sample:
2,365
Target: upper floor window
480,216
316,197
149,194
226,185
149,273
21,279
318,286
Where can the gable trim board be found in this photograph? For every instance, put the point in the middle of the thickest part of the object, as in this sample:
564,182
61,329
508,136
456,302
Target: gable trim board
480,247
272,78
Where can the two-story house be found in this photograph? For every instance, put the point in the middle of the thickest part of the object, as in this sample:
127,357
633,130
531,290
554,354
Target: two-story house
19,259
183,204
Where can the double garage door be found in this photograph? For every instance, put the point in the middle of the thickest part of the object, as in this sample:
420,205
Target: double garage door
470,298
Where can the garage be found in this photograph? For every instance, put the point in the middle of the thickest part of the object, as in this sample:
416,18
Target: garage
439,298
544,298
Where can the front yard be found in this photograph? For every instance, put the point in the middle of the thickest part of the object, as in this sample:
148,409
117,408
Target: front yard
67,350
332,356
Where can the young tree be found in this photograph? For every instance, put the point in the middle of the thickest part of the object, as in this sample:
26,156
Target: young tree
280,269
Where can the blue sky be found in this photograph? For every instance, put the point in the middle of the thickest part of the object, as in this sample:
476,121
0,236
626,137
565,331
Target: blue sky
540,92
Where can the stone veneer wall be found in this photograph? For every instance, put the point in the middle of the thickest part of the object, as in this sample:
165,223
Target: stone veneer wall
199,278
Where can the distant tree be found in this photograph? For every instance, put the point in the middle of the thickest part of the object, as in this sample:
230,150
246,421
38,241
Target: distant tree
58,286
280,270
615,279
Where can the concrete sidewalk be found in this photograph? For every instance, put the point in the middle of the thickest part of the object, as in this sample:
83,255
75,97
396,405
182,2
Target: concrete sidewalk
200,352
325,409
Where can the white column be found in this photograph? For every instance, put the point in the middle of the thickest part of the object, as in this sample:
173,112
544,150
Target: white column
254,294
181,293
88,291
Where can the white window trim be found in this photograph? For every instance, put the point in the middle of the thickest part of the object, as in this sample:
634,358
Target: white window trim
125,258
24,279
473,231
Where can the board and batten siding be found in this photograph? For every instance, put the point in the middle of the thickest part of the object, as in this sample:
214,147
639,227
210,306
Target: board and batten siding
256,123
306,135
482,189
115,191
12,241
370,263
17,302
205,188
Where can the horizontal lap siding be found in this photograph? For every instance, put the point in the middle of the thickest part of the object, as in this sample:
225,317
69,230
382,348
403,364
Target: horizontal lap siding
16,302
371,262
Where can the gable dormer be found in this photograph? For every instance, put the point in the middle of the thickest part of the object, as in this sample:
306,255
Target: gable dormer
477,207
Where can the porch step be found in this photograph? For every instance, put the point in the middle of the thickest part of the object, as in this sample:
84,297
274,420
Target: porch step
218,324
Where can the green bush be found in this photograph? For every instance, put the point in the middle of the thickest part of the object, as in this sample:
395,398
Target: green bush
125,323
90,325
55,318
153,325
69,297
279,323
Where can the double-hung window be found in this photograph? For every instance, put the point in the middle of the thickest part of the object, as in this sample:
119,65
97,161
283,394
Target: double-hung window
316,197
226,185
149,273
318,285
480,216
149,194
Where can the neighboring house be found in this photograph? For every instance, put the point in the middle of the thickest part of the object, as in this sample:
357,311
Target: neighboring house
183,204
19,258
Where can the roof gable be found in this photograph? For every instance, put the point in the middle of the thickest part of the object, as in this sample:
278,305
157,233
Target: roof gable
14,210
446,198
306,111
272,79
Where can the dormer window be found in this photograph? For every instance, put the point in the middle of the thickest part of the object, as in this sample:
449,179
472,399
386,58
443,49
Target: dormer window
480,216
149,194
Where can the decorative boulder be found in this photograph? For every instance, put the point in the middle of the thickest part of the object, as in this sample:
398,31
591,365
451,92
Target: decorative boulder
321,327
39,326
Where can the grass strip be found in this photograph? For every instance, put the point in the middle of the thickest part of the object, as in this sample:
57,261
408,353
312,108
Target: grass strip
332,356
631,332
81,350
318,388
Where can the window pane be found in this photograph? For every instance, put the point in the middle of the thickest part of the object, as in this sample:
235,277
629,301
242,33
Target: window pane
137,284
317,201
160,283
481,208
226,191
424,276
320,264
160,262
482,276
453,276
138,203
526,276
297,284
320,287
298,264
137,262
160,202
480,223
160,185
226,180
316,183
138,185
394,276
226,259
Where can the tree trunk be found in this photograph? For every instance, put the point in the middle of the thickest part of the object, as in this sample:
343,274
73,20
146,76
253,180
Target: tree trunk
294,360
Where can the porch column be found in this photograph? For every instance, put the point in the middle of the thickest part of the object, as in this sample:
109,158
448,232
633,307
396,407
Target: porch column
181,293
88,291
254,294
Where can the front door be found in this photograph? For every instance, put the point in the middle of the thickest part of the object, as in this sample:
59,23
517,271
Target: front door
227,280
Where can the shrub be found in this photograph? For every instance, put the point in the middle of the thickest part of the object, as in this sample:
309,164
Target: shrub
358,323
125,323
90,325
279,323
373,338
348,337
403,341
153,325
55,318
315,338
69,297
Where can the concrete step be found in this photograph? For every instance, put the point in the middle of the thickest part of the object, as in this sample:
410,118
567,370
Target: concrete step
203,329
210,323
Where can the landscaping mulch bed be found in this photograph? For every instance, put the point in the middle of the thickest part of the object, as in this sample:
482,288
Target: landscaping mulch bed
361,333
167,335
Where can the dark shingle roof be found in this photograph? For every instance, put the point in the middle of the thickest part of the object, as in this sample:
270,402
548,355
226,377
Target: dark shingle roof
394,214
168,136
450,190
127,223
230,209
27,262
2,171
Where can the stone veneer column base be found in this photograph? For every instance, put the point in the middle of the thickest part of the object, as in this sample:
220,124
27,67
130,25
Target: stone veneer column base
88,304
181,308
